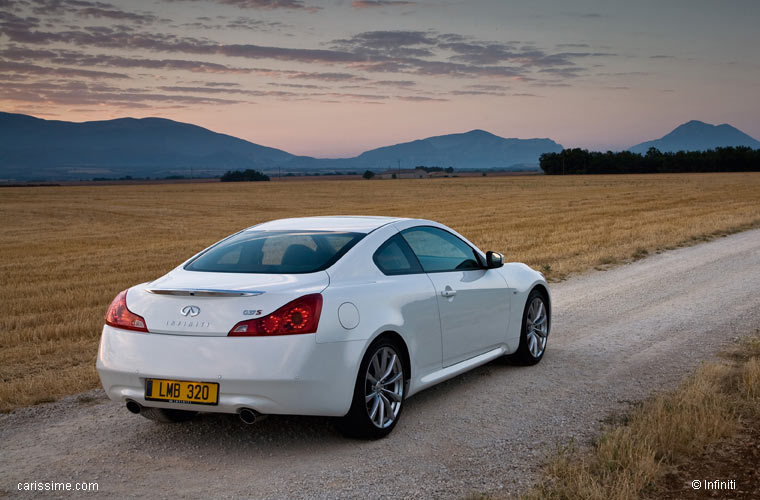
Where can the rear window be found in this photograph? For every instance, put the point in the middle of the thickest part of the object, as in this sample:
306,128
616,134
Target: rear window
276,252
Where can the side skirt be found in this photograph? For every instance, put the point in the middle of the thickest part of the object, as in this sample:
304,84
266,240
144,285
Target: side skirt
438,376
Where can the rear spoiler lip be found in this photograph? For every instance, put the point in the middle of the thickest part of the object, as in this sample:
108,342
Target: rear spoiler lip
204,292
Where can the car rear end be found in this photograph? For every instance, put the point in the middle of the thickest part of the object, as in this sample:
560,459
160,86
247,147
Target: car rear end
227,333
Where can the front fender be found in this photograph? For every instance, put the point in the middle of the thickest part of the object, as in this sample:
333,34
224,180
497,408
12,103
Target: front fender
521,280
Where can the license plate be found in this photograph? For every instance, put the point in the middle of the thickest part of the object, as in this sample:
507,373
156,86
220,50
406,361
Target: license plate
180,391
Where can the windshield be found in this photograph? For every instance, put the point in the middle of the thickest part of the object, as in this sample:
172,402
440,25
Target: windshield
275,252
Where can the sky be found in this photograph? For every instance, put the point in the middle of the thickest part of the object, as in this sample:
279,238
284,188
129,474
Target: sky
333,78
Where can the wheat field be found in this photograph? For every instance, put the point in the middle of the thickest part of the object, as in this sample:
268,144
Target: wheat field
67,251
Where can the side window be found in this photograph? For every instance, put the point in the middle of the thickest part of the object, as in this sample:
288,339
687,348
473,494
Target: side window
439,250
394,257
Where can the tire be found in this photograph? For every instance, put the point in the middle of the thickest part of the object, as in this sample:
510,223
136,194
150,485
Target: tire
376,405
167,415
534,332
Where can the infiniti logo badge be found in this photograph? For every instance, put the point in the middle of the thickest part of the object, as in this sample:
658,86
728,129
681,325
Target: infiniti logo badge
191,311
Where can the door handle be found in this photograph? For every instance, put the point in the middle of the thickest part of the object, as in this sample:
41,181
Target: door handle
448,292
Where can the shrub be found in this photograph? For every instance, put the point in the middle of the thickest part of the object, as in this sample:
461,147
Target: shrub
243,176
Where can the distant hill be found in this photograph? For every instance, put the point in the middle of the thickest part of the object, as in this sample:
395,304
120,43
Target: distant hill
32,148
698,136
476,149
36,149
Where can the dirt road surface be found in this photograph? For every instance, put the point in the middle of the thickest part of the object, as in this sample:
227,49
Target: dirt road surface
618,335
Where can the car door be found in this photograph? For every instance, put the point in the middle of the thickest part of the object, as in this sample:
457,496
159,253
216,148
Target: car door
473,302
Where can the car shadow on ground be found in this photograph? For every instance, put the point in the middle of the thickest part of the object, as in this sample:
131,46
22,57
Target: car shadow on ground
283,432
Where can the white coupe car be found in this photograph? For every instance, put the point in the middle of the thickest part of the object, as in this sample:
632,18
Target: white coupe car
335,316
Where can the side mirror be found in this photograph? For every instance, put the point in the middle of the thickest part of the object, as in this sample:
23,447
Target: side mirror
494,259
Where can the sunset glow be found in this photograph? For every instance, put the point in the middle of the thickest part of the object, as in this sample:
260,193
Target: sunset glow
335,78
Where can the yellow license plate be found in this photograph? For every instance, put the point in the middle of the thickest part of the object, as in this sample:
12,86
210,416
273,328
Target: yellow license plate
179,391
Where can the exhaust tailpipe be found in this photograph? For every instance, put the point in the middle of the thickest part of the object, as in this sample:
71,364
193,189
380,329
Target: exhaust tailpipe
248,416
133,407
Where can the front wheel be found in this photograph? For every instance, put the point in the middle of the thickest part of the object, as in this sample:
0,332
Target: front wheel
378,394
535,331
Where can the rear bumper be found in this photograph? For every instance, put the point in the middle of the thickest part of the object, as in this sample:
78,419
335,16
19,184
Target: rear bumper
273,375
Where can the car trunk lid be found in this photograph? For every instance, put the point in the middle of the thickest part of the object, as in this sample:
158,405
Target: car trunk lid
210,304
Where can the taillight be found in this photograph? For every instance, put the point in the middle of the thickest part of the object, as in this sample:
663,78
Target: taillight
298,316
120,316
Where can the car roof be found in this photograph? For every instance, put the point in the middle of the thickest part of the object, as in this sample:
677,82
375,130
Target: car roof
352,223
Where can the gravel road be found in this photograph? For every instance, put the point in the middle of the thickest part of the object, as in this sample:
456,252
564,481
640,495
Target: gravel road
617,336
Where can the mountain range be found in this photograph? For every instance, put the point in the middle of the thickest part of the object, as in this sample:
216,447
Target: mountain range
36,149
32,148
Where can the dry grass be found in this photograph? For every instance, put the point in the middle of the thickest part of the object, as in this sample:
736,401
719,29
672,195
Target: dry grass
66,251
664,432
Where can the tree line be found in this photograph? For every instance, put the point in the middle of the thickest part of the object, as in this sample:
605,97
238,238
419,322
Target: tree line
582,161
244,176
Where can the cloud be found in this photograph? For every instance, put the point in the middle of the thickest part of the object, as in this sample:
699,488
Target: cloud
494,53
546,83
567,72
221,84
77,93
105,41
451,54
76,58
10,67
297,85
389,51
396,83
367,4
88,9
217,90
355,96
442,68
264,4
237,23
328,77
253,24
488,87
477,92
251,51
374,44
416,98
9,5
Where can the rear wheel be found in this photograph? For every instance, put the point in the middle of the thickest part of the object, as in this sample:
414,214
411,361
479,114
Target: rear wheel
535,331
378,394
167,415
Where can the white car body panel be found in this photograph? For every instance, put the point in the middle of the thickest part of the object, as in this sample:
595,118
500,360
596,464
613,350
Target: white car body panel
522,279
289,374
314,374
475,319
217,314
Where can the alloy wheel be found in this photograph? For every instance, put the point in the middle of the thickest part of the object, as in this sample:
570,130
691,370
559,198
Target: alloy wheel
536,327
384,387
